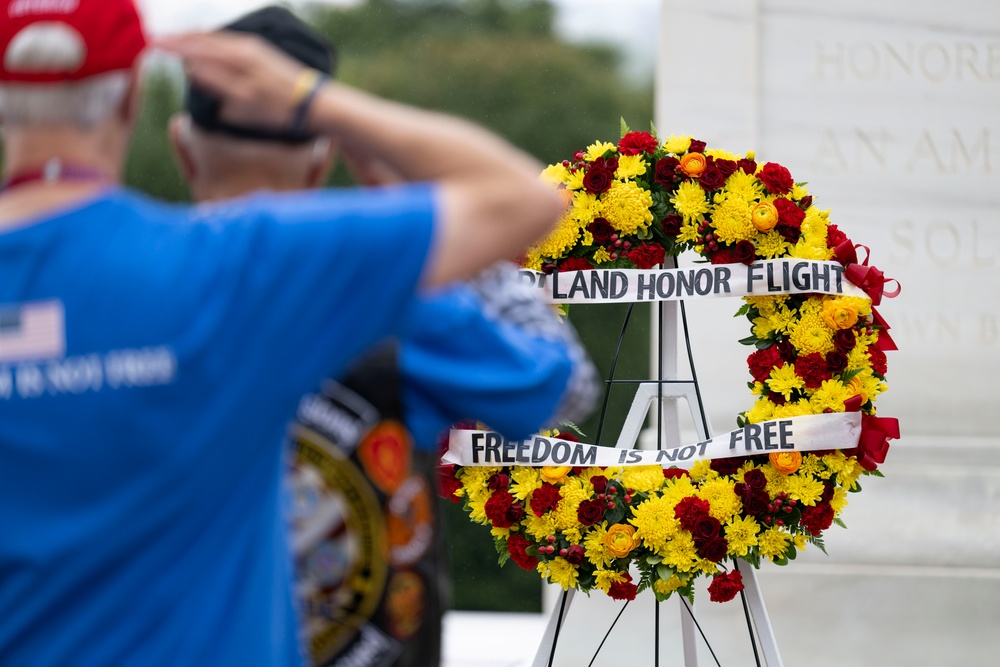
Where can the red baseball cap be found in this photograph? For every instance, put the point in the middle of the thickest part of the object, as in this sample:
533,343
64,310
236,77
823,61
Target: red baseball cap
110,32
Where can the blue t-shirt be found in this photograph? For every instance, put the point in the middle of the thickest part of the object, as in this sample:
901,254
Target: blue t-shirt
459,362
150,357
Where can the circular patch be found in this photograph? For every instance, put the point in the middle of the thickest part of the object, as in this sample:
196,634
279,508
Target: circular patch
385,455
410,521
337,541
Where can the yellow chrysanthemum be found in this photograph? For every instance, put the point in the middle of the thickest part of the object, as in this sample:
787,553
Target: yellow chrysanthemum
586,239
561,239
812,335
724,502
680,552
500,532
677,145
811,464
539,527
688,233
830,396
667,586
805,488
762,411
604,578
626,206
720,154
642,478
816,250
702,470
630,166
533,259
655,523
799,191
594,547
690,202
560,571
839,500
742,534
732,221
744,187
601,256
771,245
598,149
784,381
554,174
773,542
574,180
586,207
565,513
523,481
793,409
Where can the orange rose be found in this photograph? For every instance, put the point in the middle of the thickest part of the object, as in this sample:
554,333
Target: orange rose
620,540
553,474
855,387
693,164
839,314
785,462
764,216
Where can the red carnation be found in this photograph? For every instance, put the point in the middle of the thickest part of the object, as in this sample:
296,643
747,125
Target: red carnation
502,511
776,178
762,362
817,519
517,547
670,473
789,215
834,237
665,171
448,483
725,586
601,230
689,510
711,179
877,357
726,466
545,498
634,143
745,252
590,512
575,264
713,549
597,180
813,369
696,146
600,483
623,590
647,255
672,224
723,256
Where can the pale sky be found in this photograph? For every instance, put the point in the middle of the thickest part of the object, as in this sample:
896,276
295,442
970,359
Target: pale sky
631,24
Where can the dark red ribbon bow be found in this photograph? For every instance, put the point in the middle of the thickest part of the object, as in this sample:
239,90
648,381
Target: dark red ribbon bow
872,281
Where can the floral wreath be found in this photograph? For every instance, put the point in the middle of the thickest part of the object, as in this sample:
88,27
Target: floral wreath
629,205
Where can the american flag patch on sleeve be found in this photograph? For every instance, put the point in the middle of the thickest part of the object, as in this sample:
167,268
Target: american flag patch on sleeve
32,331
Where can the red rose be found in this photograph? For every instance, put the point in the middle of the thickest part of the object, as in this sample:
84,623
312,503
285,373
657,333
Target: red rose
544,498
600,483
790,234
670,473
877,357
817,519
789,215
706,527
762,362
844,340
776,178
834,237
665,171
696,146
590,512
786,351
672,224
723,256
727,167
634,143
498,507
775,398
575,264
714,549
805,202
836,362
514,513
813,369
725,586
448,483
747,166
574,554
756,503
623,590
745,252
726,466
597,180
755,479
647,255
689,510
711,179
601,230
517,547
498,481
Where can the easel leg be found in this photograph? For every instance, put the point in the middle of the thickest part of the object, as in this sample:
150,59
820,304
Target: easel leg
758,612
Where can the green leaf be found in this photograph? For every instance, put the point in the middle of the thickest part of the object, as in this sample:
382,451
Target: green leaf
625,129
840,523
744,309
503,557
874,473
653,559
847,376
818,542
664,571
614,515
644,234
763,344
749,340
652,130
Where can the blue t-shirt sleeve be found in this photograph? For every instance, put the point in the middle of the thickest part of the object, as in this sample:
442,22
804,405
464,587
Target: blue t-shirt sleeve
305,282
457,363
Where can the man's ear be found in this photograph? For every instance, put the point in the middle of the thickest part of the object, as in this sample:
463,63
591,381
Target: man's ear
323,156
180,142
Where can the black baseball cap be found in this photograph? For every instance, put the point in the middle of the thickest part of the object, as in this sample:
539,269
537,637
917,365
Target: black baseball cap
288,33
